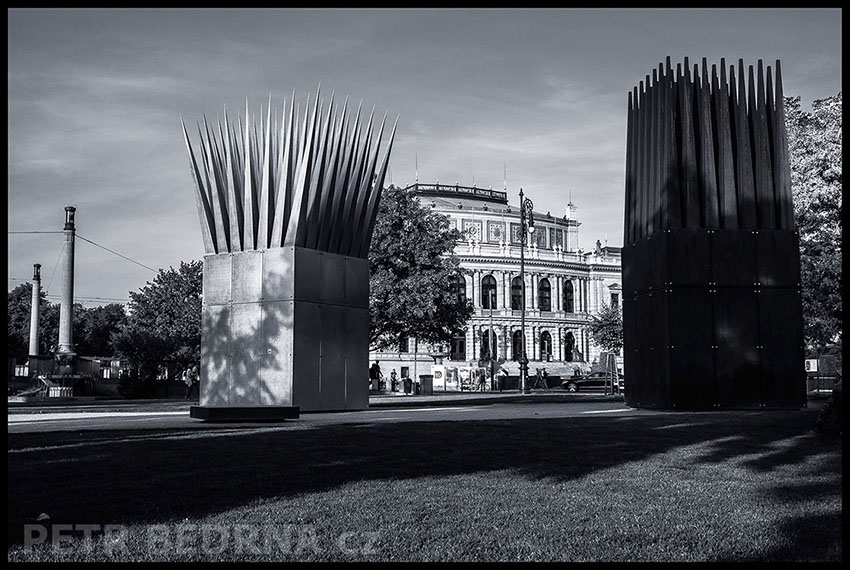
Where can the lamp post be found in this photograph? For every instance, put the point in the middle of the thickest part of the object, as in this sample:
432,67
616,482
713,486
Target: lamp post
526,207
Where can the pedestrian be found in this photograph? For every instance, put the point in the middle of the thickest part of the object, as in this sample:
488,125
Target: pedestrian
375,375
393,381
188,381
545,379
500,377
482,379
832,407
538,382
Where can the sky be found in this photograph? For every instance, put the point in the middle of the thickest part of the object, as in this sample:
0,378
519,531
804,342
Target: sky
96,97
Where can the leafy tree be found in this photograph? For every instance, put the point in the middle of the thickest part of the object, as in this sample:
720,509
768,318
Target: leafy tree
606,328
814,142
18,321
94,326
164,321
411,265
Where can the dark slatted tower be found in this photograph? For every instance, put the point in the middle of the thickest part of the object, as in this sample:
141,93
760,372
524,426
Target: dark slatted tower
711,261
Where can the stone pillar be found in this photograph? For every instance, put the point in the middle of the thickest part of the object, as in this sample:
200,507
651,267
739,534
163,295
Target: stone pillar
35,308
533,284
470,294
66,307
558,301
500,289
476,288
506,285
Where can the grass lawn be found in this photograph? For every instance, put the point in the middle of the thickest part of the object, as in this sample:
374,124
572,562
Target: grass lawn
741,486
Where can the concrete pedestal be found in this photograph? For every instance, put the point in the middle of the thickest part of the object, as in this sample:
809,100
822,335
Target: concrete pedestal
284,330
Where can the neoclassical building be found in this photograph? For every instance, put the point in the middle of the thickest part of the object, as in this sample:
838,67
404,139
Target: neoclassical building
564,284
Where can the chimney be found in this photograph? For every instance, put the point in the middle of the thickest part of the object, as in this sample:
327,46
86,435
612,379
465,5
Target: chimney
35,308
66,308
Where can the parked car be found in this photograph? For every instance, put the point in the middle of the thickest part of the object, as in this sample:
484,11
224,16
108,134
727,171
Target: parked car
594,381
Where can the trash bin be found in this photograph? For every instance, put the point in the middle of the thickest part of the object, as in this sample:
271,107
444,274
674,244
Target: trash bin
408,385
426,382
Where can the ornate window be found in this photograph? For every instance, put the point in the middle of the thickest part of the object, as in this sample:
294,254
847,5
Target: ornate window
489,346
545,346
458,348
568,297
516,345
615,300
544,296
488,292
516,293
458,287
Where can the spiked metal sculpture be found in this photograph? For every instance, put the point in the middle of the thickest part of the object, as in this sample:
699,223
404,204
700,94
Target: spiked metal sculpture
711,276
287,212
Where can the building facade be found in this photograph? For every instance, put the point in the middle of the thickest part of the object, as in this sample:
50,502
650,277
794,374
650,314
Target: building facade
564,285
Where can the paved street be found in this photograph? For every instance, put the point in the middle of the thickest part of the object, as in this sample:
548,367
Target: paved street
175,414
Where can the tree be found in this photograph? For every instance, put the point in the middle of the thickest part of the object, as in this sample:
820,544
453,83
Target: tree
164,321
93,328
18,321
814,144
606,328
411,264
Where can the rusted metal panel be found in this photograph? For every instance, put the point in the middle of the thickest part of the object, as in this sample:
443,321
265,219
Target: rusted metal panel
733,258
736,333
687,254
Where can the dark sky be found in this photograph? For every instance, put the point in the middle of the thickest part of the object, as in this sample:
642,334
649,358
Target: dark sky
96,96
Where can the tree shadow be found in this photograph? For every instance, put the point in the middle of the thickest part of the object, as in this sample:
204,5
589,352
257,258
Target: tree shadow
143,476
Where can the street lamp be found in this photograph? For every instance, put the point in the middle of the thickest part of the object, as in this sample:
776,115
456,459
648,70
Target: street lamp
526,207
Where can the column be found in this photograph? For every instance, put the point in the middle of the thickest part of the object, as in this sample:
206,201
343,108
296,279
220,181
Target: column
509,349
476,289
534,278
468,280
558,301
500,289
66,307
585,289
35,309
506,286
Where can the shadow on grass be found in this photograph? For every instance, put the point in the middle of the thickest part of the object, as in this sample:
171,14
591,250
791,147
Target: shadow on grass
127,477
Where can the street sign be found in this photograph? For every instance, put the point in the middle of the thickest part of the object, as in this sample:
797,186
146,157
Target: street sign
811,365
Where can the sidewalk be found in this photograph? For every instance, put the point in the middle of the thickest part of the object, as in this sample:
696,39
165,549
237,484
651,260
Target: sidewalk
466,398
375,401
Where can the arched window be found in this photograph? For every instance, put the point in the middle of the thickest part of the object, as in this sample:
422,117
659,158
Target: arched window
568,297
488,292
569,346
545,346
544,297
488,345
516,344
458,287
458,348
516,293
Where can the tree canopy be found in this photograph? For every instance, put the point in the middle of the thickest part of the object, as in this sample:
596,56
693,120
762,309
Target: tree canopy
164,321
606,328
411,270
814,143
92,327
